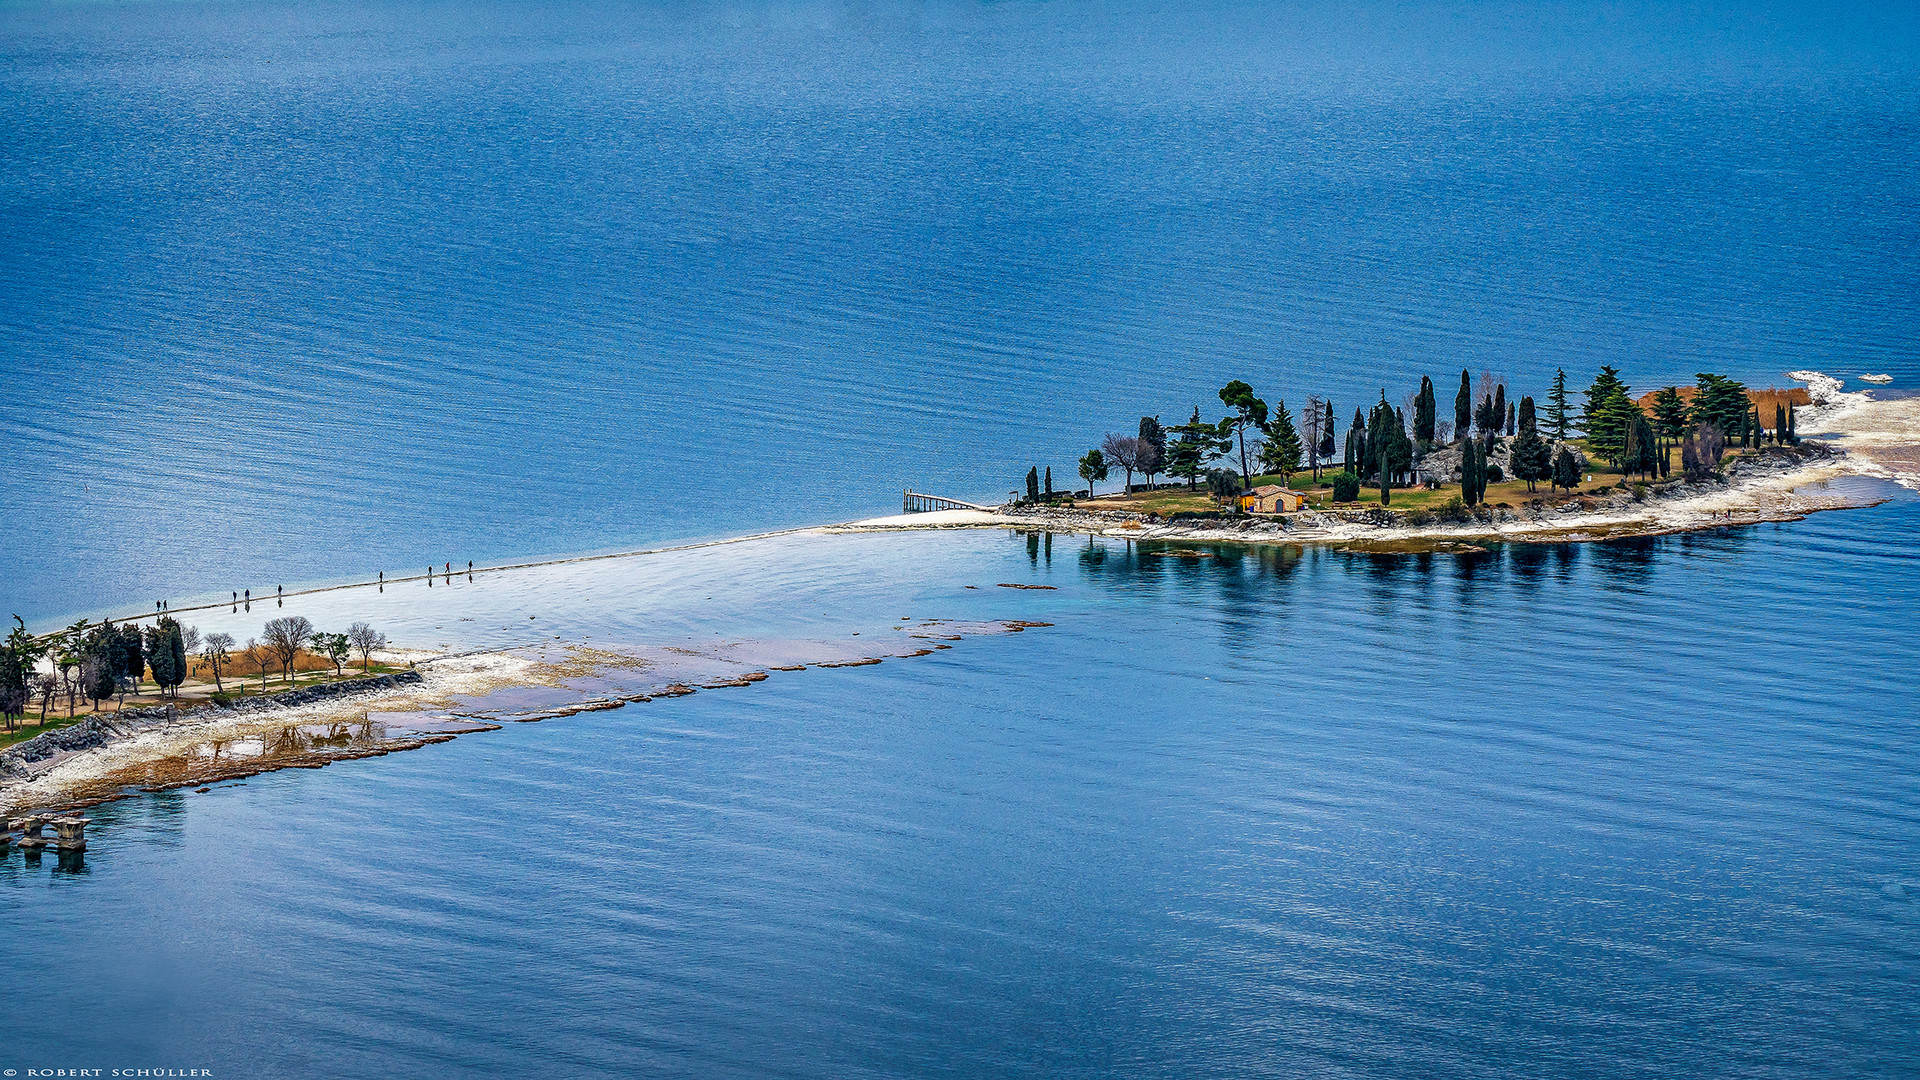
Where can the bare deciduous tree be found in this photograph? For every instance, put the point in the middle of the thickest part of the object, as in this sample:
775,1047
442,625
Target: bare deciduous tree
261,658
1124,451
214,649
365,640
285,637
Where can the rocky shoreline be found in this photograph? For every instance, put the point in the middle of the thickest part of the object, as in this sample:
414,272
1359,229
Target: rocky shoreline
1753,489
19,762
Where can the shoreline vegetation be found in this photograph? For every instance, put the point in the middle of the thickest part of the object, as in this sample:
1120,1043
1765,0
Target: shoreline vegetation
1620,467
202,710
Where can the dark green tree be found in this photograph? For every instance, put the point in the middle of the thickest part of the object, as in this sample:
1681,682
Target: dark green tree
1346,486
1152,436
1557,415
167,655
1526,420
1532,458
1281,453
1566,470
1513,421
1467,452
132,664
1499,408
1641,454
1719,401
1384,466
1357,440
18,655
1048,493
1608,412
1424,406
1779,423
1033,484
1194,445
1463,408
1327,424
1223,485
1247,411
1093,469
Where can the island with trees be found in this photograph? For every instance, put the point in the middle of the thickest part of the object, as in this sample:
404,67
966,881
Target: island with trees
1494,459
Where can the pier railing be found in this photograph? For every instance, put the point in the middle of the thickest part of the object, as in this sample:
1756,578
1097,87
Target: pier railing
915,502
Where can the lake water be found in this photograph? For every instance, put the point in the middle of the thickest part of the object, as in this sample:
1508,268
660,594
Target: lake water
303,292
295,293
1626,809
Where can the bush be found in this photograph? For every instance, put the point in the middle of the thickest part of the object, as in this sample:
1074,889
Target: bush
1421,517
223,697
1494,475
1455,509
1200,515
1346,486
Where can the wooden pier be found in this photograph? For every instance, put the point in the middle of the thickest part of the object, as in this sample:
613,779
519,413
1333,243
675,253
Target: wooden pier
915,502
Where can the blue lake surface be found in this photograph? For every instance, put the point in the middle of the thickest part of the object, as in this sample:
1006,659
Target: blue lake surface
292,293
1626,809
302,292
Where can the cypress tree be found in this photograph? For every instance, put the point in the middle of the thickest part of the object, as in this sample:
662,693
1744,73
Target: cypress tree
1512,420
1033,484
1350,463
1049,483
1361,454
1499,408
1424,406
1385,466
1527,421
1779,423
1326,433
1463,408
1793,437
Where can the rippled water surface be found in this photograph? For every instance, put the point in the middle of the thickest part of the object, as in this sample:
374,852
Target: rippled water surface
301,292
296,293
1628,809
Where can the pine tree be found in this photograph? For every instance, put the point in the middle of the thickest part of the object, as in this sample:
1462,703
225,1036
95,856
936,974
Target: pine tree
1463,408
1670,413
1719,401
1606,416
1557,423
1195,444
1282,451
1093,469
